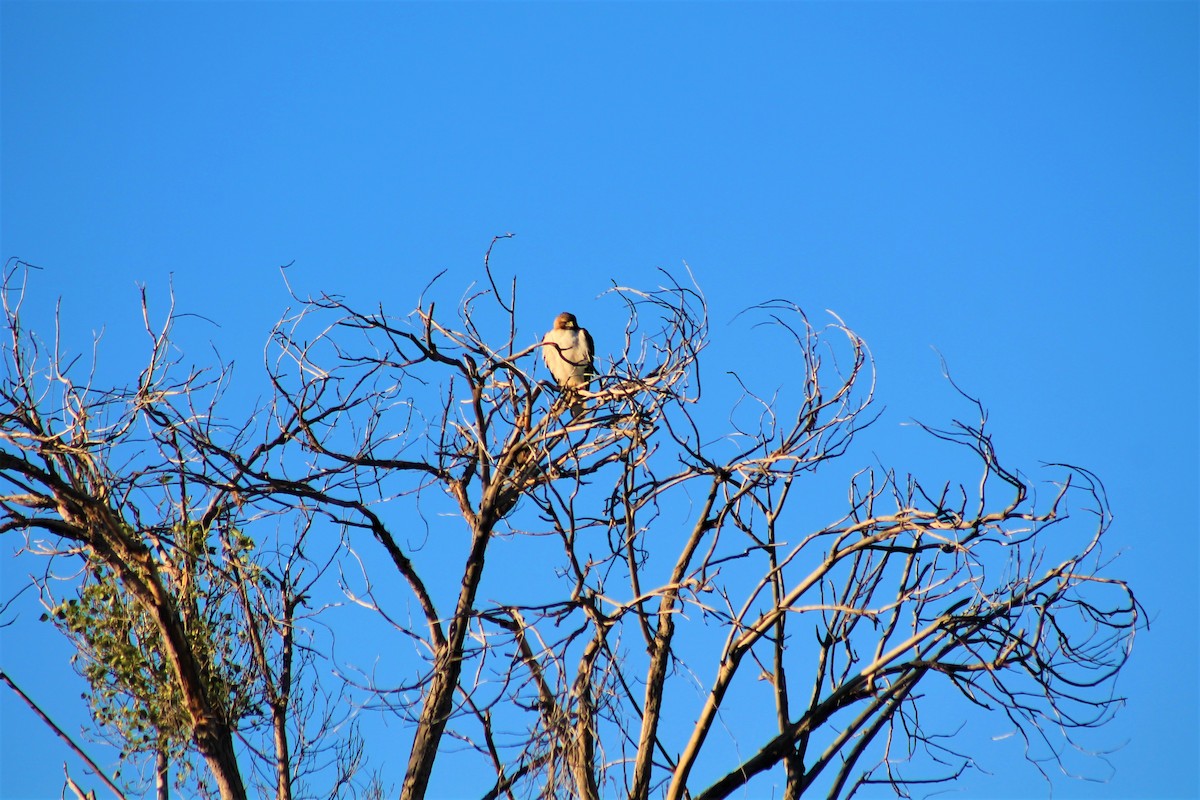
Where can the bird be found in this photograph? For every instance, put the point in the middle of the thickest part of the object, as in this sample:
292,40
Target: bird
568,351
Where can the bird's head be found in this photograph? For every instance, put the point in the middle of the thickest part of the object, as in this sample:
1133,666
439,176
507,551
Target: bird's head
566,320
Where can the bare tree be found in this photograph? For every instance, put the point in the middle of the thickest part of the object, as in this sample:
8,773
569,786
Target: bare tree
185,626
681,575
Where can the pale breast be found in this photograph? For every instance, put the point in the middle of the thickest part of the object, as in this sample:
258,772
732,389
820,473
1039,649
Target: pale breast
568,366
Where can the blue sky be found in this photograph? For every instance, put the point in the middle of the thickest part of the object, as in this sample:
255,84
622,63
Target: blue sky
1013,184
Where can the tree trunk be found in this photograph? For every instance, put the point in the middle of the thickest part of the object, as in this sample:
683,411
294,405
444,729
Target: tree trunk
283,778
448,668
162,787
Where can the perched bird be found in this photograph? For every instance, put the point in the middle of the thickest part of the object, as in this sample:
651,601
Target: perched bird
568,350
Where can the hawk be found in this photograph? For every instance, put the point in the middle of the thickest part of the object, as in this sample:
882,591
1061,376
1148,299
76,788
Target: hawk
568,350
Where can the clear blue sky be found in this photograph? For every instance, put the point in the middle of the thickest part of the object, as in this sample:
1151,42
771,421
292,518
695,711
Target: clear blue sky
1014,184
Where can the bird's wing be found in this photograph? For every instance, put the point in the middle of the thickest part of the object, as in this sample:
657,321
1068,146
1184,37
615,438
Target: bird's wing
589,354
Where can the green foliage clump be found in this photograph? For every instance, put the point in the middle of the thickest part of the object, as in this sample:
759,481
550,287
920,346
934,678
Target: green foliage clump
134,691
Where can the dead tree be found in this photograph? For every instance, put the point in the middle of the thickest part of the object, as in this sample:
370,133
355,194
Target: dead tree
681,573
